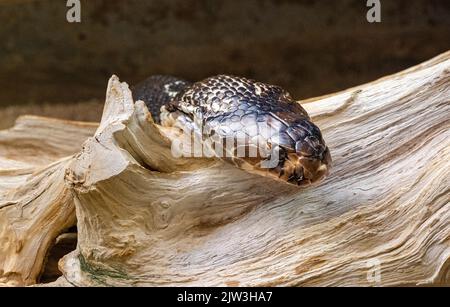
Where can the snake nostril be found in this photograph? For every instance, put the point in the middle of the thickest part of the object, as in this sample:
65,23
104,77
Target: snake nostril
299,172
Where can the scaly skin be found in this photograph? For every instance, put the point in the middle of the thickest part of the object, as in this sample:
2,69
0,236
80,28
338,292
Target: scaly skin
257,117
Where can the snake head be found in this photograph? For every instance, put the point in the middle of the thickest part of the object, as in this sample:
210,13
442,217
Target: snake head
304,157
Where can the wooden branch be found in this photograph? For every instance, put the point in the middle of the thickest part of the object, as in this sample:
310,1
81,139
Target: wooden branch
35,204
147,218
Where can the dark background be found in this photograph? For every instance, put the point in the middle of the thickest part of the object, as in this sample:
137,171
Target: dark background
309,47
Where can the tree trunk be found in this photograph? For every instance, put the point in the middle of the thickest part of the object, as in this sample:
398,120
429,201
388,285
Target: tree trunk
143,217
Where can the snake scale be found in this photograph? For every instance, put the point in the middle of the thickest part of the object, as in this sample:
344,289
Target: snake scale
257,117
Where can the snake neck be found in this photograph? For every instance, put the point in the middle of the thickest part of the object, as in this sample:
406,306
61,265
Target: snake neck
157,91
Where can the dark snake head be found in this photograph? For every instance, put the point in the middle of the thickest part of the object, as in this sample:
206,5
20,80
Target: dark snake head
253,115
304,158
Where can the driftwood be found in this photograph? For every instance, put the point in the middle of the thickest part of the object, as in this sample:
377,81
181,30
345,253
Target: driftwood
146,218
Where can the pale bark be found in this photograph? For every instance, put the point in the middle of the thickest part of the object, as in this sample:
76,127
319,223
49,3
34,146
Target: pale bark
147,218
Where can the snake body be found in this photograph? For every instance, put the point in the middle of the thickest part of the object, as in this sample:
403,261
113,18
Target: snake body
254,115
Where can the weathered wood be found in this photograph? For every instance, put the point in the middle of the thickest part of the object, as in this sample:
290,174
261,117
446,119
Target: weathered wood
147,218
35,204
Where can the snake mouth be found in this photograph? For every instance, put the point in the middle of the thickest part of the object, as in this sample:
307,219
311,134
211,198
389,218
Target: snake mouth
304,170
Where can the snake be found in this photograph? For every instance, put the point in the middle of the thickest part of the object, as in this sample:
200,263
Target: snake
270,133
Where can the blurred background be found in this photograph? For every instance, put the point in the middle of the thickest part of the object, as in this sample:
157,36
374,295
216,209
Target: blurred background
310,47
